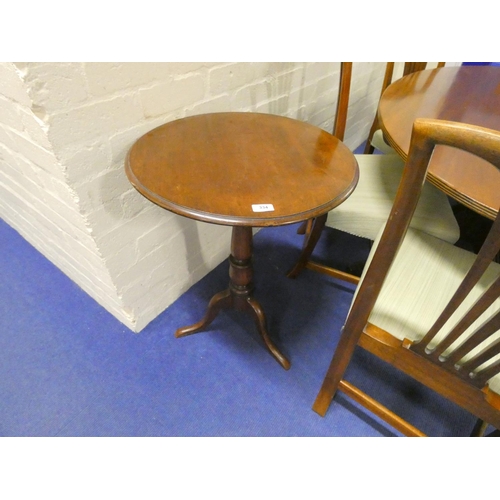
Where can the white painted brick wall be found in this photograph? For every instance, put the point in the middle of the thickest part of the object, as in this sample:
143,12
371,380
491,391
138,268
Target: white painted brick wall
35,197
66,128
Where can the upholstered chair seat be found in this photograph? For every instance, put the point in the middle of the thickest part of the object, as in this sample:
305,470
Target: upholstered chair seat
378,143
368,207
423,278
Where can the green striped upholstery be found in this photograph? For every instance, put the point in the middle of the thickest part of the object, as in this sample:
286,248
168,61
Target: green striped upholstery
368,207
424,276
379,143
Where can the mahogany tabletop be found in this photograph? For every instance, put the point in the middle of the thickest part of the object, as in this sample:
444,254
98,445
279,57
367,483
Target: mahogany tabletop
242,169
467,94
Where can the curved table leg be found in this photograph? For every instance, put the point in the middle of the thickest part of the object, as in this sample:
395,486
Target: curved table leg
310,242
217,302
239,294
260,320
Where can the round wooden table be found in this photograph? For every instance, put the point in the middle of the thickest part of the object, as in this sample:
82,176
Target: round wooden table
243,170
467,94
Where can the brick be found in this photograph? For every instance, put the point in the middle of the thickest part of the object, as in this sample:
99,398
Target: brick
315,71
92,122
34,152
232,76
56,86
172,95
60,220
281,68
155,237
19,163
104,220
62,202
133,203
121,261
34,128
214,105
278,106
12,176
106,78
251,96
6,140
102,189
142,291
185,68
145,309
41,230
85,259
84,163
184,251
112,231
9,114
121,142
53,190
161,265
11,84
328,85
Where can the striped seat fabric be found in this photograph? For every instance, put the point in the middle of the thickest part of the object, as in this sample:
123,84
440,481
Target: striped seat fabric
422,280
366,211
378,143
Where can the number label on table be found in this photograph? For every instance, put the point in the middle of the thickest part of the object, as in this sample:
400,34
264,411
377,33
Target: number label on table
263,207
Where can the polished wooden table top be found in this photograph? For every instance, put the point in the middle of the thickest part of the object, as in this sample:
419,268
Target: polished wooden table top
223,167
467,94
243,170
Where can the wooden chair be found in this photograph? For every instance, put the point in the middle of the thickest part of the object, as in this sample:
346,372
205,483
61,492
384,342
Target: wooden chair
423,305
368,207
375,137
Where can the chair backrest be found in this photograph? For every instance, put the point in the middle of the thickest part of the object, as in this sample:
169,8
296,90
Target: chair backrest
408,68
482,366
339,124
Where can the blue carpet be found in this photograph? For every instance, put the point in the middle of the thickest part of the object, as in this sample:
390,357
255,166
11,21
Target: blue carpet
68,368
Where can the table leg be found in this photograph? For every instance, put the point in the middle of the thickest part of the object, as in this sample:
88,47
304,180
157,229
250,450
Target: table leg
239,295
310,241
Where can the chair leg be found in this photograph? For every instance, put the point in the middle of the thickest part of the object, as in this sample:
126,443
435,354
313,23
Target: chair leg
369,149
479,428
340,360
305,227
310,241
